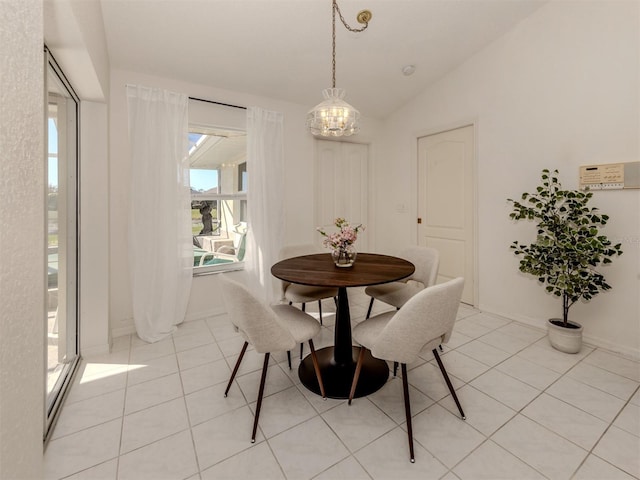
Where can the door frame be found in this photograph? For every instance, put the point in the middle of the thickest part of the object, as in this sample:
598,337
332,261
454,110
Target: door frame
473,122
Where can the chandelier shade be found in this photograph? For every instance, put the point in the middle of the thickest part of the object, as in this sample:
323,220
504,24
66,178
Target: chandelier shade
333,117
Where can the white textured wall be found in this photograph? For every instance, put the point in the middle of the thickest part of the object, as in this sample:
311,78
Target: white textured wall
559,91
74,33
22,266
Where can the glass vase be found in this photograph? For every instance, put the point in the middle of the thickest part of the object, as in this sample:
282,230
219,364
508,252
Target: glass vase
344,257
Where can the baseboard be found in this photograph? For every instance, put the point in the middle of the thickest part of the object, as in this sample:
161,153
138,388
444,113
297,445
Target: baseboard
97,350
205,314
628,352
131,329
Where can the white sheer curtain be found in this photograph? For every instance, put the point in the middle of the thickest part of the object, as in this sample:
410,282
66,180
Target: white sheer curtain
265,198
160,241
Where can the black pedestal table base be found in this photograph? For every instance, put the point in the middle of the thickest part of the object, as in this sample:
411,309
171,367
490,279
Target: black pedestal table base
337,378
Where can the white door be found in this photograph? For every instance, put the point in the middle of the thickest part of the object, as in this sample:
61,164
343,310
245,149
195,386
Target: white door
341,190
446,203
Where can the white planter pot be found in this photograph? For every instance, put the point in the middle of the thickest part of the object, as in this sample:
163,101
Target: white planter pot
565,339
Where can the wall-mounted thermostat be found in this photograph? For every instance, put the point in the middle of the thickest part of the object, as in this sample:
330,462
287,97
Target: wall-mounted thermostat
610,176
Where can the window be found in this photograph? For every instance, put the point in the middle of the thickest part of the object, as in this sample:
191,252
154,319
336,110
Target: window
218,174
62,346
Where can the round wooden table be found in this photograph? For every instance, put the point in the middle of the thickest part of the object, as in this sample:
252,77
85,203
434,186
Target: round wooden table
338,363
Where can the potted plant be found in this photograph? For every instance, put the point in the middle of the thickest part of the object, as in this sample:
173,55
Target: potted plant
567,249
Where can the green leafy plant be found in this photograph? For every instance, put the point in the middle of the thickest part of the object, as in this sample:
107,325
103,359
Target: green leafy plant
568,243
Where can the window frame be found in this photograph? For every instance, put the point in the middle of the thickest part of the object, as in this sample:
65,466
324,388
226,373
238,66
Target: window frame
204,129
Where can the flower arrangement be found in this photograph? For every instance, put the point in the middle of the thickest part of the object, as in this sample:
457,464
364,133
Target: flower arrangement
341,242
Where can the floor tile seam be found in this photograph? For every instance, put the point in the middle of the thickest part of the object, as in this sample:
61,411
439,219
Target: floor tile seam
189,423
540,392
450,469
124,403
606,430
622,356
87,427
587,452
512,354
491,437
523,381
485,363
275,457
599,388
511,409
91,397
626,402
164,437
138,362
608,425
434,362
617,467
606,369
338,436
163,375
193,347
92,466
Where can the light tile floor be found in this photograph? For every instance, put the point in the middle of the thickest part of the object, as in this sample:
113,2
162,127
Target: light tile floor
157,411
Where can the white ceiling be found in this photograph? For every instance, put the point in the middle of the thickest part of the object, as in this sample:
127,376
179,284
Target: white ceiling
282,48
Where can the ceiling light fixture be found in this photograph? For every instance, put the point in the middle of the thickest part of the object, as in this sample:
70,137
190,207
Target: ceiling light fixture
334,117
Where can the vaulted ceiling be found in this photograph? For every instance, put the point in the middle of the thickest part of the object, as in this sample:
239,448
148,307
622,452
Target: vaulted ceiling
282,48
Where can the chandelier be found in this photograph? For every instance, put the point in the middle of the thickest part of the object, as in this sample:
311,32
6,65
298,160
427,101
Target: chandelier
334,117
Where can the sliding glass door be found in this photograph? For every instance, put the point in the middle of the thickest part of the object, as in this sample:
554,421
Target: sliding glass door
61,198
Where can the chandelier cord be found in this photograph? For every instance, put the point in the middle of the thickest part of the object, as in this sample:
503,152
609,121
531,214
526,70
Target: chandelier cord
333,37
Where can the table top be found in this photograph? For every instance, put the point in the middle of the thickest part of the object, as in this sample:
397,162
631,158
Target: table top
319,270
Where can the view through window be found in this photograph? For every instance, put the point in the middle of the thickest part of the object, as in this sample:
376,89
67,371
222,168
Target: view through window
218,174
62,238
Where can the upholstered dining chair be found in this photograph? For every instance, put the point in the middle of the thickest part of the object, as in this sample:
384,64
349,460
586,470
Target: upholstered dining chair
269,329
426,261
423,323
294,293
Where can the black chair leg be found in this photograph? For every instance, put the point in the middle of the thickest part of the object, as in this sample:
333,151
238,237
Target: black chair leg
289,358
235,369
356,375
301,350
446,379
303,306
320,310
395,368
407,410
265,365
316,367
370,307
440,347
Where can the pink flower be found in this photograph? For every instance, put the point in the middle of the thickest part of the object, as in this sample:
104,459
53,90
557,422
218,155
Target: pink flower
346,235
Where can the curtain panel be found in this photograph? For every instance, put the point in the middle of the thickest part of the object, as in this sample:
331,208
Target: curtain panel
160,241
265,199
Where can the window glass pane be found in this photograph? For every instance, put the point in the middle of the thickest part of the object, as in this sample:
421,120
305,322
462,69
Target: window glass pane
62,238
218,197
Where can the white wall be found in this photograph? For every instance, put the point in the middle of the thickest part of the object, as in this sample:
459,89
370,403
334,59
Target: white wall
94,229
299,201
559,91
74,33
22,247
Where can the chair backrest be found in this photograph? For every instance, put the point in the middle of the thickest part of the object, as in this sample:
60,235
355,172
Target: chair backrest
426,320
426,261
291,251
256,321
